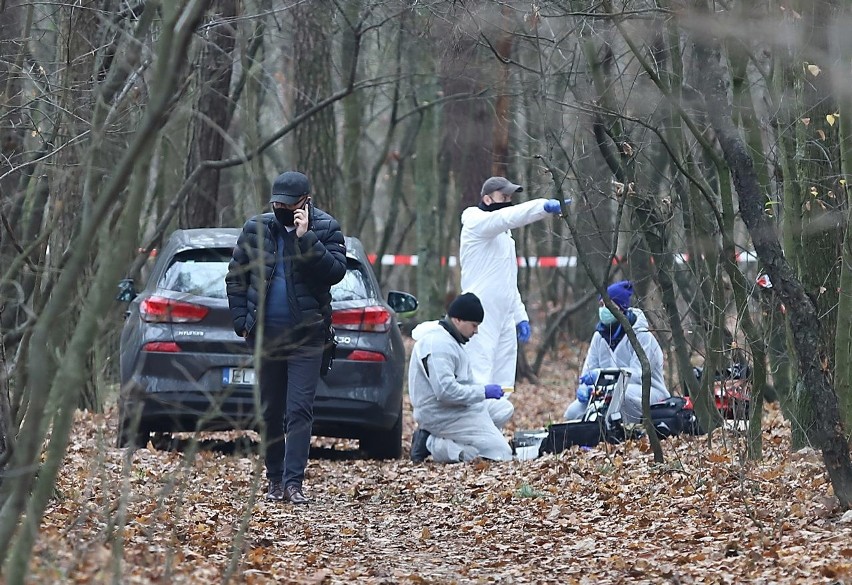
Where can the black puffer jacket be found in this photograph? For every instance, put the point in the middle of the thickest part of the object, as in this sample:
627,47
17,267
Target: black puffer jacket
313,263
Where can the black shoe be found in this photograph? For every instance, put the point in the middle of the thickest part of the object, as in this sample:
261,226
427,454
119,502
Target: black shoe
294,495
275,493
419,451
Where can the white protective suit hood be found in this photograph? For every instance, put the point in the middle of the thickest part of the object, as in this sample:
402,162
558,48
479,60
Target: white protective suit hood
423,328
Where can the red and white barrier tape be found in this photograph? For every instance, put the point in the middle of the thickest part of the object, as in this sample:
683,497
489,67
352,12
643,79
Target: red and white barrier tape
530,261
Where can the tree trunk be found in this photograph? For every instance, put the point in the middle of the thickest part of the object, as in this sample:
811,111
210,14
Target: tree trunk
843,344
353,127
211,116
467,128
315,140
15,28
502,104
431,289
15,25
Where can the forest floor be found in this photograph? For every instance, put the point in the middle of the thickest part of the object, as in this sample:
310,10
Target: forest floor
603,515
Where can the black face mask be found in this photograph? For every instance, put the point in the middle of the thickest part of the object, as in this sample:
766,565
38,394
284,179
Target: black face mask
284,216
494,206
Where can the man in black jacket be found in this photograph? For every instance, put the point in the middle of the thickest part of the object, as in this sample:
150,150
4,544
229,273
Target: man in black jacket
279,287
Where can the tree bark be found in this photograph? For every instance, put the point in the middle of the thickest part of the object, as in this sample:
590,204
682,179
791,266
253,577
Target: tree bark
503,102
467,125
353,125
211,117
315,141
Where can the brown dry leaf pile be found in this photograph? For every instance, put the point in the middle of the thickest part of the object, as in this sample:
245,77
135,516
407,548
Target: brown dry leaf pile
605,515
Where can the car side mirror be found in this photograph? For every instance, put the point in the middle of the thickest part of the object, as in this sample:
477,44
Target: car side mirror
403,304
126,290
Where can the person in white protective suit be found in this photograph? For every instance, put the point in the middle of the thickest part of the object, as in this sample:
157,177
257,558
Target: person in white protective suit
610,348
489,269
458,419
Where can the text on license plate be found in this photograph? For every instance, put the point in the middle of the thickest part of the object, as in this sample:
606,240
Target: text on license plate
239,376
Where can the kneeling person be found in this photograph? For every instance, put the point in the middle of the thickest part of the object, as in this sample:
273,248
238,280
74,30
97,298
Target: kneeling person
610,348
461,419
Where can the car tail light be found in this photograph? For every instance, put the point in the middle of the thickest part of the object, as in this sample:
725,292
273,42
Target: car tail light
363,319
163,310
360,355
161,346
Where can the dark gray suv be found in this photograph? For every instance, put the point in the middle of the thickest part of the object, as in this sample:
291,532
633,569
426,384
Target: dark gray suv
184,369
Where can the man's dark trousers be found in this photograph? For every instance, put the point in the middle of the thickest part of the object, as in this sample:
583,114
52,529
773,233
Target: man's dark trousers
289,372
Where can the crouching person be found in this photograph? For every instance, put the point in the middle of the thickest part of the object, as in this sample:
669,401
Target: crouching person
610,348
458,419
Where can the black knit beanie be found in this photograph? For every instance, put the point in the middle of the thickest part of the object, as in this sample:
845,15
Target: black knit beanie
467,308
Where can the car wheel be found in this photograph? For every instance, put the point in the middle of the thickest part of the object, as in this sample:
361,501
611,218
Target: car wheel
130,437
384,444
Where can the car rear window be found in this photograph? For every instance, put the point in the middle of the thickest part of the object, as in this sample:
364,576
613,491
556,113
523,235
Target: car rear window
355,286
202,272
198,272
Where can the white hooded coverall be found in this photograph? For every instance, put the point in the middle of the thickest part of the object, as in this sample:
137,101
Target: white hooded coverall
447,403
600,356
489,269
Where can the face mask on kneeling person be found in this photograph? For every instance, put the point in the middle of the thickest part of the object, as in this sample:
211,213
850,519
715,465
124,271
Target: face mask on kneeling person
606,317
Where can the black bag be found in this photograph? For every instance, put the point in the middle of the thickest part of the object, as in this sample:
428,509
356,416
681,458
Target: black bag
583,433
562,435
328,351
674,416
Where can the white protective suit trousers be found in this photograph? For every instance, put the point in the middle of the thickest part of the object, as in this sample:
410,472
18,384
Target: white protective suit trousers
493,352
477,434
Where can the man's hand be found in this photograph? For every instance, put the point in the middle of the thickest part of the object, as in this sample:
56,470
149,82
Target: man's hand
493,391
584,392
524,331
555,206
300,220
590,378
552,206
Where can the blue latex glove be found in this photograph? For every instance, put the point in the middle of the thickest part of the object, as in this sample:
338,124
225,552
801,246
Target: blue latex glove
584,392
589,378
493,391
553,206
524,331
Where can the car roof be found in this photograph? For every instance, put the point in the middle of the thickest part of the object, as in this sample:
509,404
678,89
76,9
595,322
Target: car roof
189,239
205,238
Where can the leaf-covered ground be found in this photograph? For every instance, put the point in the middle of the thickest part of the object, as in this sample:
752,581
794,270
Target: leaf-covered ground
605,515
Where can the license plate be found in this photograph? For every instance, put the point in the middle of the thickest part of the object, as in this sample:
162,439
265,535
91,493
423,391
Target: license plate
238,376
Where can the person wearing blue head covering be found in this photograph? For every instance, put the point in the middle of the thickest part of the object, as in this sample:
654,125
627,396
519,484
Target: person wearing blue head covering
610,348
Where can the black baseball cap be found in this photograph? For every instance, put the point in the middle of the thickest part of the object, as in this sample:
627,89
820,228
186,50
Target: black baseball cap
289,188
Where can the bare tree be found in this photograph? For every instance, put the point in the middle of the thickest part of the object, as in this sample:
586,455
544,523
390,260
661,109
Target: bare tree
315,142
211,115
